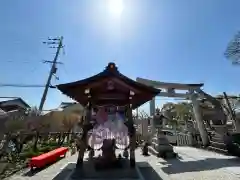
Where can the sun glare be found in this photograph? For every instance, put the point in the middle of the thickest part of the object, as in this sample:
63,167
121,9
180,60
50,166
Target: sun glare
116,7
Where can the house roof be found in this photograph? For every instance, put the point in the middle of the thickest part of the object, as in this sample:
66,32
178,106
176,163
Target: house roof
2,112
66,104
14,99
97,85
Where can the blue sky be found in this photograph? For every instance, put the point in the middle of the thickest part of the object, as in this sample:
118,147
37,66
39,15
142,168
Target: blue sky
166,40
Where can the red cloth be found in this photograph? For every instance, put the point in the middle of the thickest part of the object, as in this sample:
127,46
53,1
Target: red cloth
46,158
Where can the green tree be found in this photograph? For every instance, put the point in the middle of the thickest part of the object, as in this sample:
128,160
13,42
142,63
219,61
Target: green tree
177,113
184,111
168,109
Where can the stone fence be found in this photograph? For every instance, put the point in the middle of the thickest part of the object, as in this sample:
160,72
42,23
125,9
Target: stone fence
184,139
187,139
144,132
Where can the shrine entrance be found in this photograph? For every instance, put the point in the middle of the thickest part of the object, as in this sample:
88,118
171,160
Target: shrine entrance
188,91
109,98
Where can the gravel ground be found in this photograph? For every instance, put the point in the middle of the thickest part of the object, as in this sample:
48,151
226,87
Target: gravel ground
193,164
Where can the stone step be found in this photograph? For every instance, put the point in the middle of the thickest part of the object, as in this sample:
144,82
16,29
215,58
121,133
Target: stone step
218,150
217,139
90,172
219,145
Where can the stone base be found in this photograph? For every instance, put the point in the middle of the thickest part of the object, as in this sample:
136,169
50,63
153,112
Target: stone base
166,151
162,147
167,154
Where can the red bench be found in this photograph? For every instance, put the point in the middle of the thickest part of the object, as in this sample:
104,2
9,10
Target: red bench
47,158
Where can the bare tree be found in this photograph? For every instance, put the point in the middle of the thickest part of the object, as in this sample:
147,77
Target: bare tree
13,126
68,124
233,49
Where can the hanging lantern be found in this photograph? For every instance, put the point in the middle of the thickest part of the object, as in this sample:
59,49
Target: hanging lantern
132,93
87,91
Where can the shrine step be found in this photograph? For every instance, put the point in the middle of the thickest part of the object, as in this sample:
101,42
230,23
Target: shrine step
107,174
216,139
88,171
219,145
218,150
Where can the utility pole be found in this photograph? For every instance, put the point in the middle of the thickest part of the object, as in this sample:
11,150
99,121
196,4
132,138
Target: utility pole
59,42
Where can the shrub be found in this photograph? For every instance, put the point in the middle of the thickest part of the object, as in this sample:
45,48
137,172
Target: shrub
28,154
45,149
52,144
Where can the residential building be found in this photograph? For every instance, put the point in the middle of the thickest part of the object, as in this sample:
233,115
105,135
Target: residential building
13,104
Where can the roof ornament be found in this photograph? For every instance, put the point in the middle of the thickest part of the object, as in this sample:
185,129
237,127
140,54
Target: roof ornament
111,67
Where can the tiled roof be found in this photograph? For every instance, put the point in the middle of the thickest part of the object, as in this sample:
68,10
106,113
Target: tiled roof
3,100
66,104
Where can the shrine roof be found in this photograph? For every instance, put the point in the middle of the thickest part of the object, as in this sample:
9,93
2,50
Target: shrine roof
75,90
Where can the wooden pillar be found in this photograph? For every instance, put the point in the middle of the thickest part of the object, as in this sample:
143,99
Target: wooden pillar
83,141
132,136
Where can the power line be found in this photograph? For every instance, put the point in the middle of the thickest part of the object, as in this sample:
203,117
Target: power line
25,85
29,66
22,62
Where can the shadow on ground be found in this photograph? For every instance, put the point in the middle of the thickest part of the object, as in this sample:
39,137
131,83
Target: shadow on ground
177,166
30,173
66,172
88,172
148,172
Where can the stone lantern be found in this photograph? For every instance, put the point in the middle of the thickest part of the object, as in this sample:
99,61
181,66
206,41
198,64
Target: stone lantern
161,144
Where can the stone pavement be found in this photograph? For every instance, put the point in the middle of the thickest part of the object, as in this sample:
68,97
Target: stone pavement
198,164
192,164
48,173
